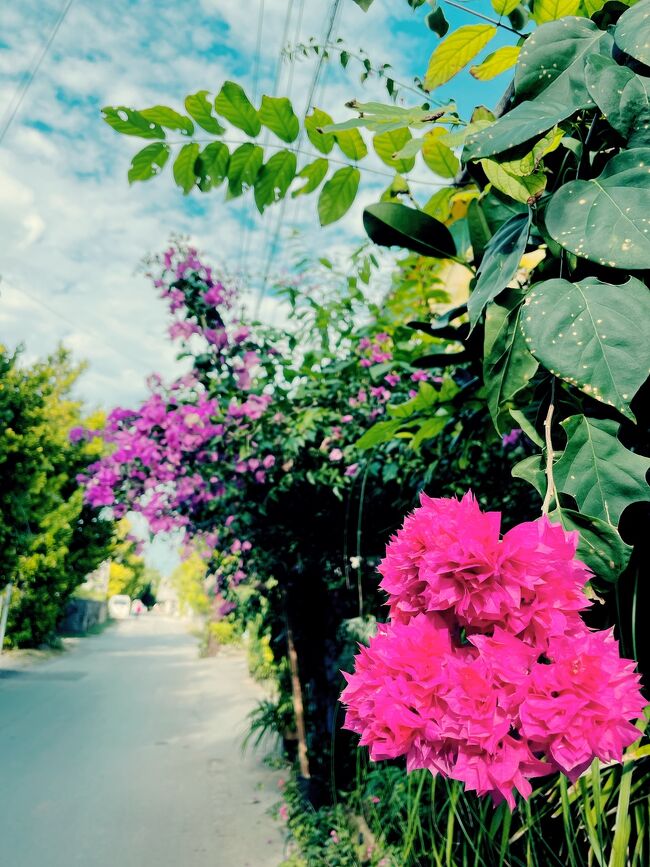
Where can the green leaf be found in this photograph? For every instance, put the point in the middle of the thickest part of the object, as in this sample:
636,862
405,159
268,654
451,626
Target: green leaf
183,168
599,546
526,189
605,219
528,163
531,470
439,158
632,33
148,162
276,113
168,118
232,103
212,165
245,163
508,366
437,23
386,145
494,64
274,178
500,264
129,122
381,432
439,204
456,51
397,187
351,143
504,7
479,230
323,142
394,225
313,173
364,4
337,194
551,10
594,335
622,96
380,117
429,428
199,107
597,471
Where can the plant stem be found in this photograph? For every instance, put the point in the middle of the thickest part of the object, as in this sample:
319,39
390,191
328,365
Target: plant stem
497,23
551,493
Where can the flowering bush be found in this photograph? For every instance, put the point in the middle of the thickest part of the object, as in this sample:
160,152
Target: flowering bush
486,672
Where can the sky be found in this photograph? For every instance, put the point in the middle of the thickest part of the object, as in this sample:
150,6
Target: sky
73,231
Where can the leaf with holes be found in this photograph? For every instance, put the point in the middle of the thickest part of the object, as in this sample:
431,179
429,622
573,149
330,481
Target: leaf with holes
232,103
439,158
456,51
597,471
212,165
148,162
199,107
632,33
168,118
394,225
337,195
599,544
129,122
494,64
314,123
622,96
593,335
245,163
606,219
277,114
313,173
508,366
274,178
386,145
183,168
526,189
500,263
351,143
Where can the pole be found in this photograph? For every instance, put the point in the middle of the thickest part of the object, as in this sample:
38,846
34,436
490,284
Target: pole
4,613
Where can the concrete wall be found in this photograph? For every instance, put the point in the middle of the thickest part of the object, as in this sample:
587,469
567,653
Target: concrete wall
82,614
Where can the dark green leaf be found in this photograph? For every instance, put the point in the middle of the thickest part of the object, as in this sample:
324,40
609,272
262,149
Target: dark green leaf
337,194
233,104
594,335
130,122
199,107
314,174
479,230
183,168
599,546
276,113
168,118
622,96
436,21
212,165
531,470
605,219
245,163
394,225
364,4
500,264
148,162
508,366
274,178
323,142
632,33
597,471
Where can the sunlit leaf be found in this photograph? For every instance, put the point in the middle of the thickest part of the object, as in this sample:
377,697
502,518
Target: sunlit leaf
199,107
504,7
440,158
351,143
386,145
456,51
552,10
274,178
276,113
129,122
232,103
148,162
494,64
183,168
526,189
337,194
245,163
168,118
313,173
314,122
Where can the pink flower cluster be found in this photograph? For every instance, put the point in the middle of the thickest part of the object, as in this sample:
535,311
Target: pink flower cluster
375,350
486,672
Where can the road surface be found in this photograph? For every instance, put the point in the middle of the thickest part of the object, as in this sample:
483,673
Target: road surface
126,752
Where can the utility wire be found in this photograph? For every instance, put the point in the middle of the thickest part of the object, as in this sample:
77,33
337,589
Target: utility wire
20,94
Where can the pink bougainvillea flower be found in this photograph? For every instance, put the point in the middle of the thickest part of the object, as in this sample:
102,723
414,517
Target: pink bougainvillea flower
336,455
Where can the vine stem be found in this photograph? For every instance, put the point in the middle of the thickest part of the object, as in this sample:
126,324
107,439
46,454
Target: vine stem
551,493
473,12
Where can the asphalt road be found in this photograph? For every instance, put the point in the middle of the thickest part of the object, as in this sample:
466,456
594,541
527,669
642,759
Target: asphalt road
126,752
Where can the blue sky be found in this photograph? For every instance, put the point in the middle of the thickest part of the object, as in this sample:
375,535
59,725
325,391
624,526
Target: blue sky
73,231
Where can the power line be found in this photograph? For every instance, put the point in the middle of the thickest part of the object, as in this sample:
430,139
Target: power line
20,94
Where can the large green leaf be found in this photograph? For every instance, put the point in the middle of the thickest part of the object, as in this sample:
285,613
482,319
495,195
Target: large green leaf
245,163
199,107
622,96
148,162
183,168
381,432
599,546
606,219
314,123
337,194
212,165
313,173
381,117
550,77
274,178
387,144
500,263
508,366
594,335
632,32
168,118
393,225
129,122
277,114
232,103
597,471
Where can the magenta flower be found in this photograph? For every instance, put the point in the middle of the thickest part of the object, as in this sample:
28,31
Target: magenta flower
336,455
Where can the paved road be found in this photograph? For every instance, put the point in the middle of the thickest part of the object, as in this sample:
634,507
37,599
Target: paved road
125,752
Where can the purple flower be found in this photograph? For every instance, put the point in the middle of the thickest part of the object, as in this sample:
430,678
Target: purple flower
512,438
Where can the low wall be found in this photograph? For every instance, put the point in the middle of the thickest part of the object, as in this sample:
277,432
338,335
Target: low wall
82,614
